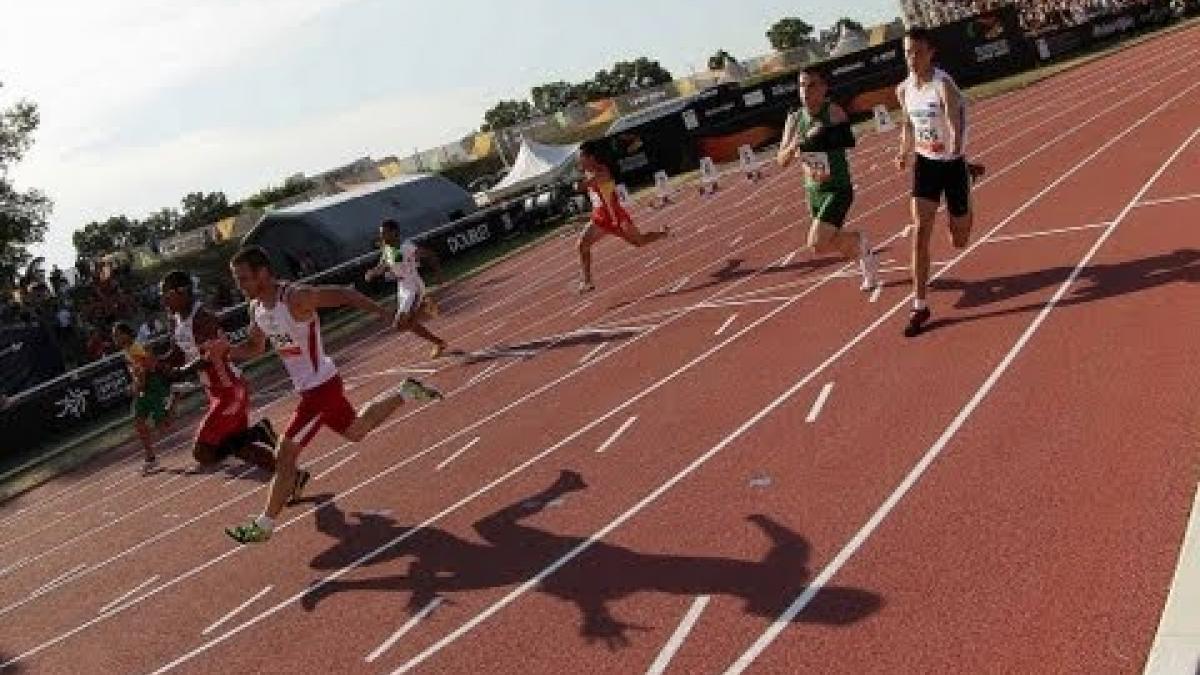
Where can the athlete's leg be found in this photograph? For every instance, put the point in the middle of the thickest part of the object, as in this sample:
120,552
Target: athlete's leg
958,204
588,238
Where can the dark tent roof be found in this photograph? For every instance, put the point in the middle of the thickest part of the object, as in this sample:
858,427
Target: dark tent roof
333,229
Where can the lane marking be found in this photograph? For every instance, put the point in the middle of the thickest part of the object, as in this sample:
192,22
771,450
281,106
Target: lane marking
408,625
494,328
736,241
650,263
233,612
617,434
13,565
579,309
1046,233
679,285
681,632
336,465
1169,200
483,373
787,259
818,404
728,322
1176,647
128,593
596,350
455,456
58,580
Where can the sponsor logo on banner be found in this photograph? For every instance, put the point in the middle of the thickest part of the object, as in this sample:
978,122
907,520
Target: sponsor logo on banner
633,163
111,386
472,237
689,119
753,98
1102,30
720,110
73,404
992,50
785,88
848,68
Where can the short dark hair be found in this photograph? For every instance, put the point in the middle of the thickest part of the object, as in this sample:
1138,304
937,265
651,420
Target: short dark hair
123,328
391,225
177,280
815,71
253,257
919,34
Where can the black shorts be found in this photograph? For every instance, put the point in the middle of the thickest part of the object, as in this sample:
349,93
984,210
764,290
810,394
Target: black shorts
932,178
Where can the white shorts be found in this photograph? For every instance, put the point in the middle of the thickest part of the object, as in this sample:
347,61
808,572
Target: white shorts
409,293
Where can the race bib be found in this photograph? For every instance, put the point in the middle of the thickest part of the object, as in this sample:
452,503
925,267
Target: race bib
817,166
929,138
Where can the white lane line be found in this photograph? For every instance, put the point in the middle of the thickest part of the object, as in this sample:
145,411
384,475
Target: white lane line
13,565
617,434
579,309
787,259
233,480
1169,200
736,241
1047,233
681,632
818,404
57,580
483,373
728,322
1176,647
408,625
679,285
232,613
588,356
494,328
868,528
128,593
877,292
336,465
456,455
650,262
776,209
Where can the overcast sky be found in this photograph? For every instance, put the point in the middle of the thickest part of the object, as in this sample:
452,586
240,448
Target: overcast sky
143,101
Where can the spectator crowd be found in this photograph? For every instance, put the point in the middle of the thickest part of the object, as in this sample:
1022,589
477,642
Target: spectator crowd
1037,16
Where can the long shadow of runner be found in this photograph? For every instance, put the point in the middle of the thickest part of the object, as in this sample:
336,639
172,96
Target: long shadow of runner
444,563
1096,282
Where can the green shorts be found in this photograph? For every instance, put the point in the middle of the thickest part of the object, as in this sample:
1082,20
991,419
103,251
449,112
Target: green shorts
152,403
829,205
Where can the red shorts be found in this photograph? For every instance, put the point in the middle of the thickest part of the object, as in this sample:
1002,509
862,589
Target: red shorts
228,413
322,406
602,219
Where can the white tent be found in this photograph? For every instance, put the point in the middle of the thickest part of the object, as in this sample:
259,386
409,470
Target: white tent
535,164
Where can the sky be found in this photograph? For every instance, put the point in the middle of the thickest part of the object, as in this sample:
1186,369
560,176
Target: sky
143,101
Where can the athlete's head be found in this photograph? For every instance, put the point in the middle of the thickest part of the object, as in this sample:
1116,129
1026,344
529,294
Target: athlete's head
176,289
122,334
252,271
389,232
918,50
813,88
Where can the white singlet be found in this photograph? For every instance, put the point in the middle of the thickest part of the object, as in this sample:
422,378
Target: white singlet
298,343
926,109
216,375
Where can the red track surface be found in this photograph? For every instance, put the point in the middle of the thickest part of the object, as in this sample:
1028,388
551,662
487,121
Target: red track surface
1006,493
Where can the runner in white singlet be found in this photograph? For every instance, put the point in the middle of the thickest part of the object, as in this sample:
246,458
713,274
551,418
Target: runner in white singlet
285,315
935,128
400,260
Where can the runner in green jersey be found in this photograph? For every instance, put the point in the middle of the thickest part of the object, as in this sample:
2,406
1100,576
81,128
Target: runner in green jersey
819,133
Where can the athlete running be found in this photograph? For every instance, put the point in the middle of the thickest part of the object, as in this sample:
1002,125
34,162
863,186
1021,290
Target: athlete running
399,260
819,132
285,314
608,217
935,126
150,388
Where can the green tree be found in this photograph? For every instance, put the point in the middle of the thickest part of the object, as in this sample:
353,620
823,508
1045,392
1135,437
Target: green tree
23,214
294,185
99,238
201,208
552,97
717,61
625,76
162,223
507,114
789,33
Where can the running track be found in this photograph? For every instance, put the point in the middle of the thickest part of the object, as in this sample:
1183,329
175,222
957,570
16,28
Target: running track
726,458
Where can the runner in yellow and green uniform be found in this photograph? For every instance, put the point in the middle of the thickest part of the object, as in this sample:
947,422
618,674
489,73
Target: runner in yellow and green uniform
151,390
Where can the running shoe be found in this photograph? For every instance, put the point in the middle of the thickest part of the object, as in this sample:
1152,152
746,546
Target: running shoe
916,322
249,533
870,272
438,349
302,477
418,391
586,287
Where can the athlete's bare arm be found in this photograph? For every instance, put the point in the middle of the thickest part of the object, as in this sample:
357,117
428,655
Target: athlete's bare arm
953,103
304,301
907,133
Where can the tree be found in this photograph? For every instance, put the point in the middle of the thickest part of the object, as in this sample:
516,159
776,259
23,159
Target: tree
552,97
22,214
507,114
200,209
99,238
789,33
625,76
294,185
717,61
848,25
163,223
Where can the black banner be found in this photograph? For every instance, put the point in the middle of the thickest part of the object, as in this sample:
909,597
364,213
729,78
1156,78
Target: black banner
985,47
1102,30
